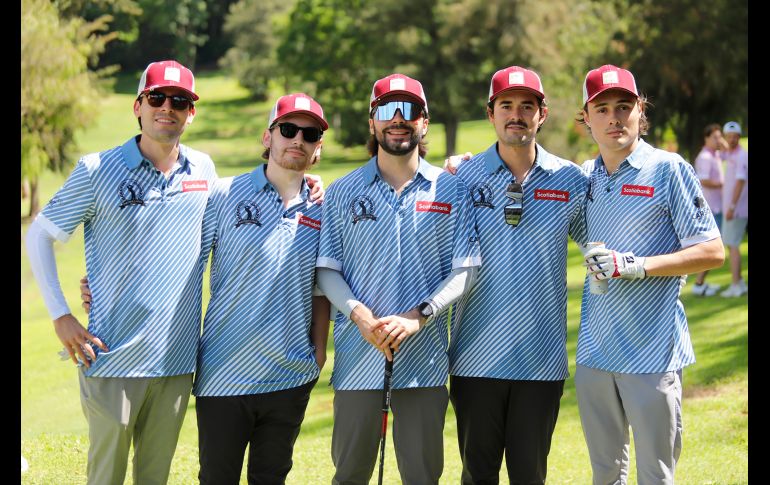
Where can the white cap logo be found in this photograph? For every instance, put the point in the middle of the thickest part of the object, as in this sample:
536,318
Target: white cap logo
516,77
610,77
397,84
302,103
172,74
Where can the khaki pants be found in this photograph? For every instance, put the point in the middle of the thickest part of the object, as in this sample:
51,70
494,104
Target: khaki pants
147,411
650,403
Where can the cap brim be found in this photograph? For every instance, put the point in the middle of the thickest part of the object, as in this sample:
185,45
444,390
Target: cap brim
192,95
321,121
537,94
609,88
417,99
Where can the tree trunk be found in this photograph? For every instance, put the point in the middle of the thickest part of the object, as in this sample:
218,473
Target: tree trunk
450,127
34,204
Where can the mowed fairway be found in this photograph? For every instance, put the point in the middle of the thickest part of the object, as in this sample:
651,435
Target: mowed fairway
54,435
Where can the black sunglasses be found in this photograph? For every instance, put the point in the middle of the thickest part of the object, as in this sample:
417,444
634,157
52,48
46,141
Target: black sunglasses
515,208
178,102
310,134
386,111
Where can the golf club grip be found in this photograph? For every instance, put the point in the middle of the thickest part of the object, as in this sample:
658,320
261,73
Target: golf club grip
386,386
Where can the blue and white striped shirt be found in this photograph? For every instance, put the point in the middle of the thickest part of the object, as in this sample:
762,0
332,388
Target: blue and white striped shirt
142,243
256,333
653,204
514,325
393,251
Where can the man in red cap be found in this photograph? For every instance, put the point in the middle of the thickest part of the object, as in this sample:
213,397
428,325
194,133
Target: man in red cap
508,353
647,208
141,205
264,335
397,248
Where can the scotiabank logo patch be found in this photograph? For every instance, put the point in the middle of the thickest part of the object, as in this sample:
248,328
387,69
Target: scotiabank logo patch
543,194
195,186
637,190
428,206
309,222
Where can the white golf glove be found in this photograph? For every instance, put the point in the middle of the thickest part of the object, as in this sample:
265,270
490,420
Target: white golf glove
603,263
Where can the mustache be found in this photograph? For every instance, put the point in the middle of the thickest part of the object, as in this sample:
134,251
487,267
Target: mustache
516,123
400,126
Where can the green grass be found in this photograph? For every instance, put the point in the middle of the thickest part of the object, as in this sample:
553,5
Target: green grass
54,432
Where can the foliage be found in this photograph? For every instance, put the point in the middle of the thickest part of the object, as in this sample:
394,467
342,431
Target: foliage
691,59
252,25
57,89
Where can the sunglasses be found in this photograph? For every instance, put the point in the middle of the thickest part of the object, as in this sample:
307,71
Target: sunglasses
386,111
156,99
515,208
310,134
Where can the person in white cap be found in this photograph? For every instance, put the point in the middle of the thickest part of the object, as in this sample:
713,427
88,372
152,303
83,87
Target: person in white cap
264,334
508,351
735,197
398,246
141,205
708,167
647,207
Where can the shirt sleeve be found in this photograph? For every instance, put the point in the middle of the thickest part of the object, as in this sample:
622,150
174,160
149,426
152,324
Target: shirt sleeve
330,244
742,168
693,221
577,226
73,204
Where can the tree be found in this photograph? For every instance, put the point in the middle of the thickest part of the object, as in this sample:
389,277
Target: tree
691,59
57,89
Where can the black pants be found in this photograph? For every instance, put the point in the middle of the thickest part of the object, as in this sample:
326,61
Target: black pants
496,415
269,423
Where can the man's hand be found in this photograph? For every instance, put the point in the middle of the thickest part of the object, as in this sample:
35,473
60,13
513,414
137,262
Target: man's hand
730,213
454,161
397,328
603,263
85,294
316,185
370,327
76,339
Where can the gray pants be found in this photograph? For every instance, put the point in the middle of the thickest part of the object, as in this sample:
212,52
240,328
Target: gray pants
418,434
651,403
149,411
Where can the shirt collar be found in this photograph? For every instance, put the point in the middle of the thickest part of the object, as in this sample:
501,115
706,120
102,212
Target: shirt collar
543,159
260,182
132,157
636,159
371,171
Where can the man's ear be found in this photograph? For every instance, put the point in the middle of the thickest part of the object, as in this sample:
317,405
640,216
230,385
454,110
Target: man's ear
266,138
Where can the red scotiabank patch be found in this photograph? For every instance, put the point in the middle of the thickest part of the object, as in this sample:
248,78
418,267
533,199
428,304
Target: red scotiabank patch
637,190
428,206
309,222
543,194
195,186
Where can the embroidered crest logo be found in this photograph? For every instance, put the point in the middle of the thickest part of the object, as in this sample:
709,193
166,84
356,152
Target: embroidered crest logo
130,193
362,208
701,208
247,212
481,193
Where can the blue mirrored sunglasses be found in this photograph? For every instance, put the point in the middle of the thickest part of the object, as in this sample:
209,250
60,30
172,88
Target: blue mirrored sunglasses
386,111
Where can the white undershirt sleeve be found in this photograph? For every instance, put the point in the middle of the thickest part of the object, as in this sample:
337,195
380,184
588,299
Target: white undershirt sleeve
336,289
455,285
39,244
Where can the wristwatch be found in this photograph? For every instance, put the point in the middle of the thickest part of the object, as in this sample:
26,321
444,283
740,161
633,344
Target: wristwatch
426,310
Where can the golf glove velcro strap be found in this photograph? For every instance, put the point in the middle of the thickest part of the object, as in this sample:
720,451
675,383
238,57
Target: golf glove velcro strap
605,263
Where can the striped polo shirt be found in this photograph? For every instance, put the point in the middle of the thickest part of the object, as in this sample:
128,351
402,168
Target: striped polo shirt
514,325
653,204
393,251
256,333
142,245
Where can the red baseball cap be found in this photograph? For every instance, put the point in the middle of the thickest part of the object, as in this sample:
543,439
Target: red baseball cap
515,77
167,73
297,103
398,84
608,77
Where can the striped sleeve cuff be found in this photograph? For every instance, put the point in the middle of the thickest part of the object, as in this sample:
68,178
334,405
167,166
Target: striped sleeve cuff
328,263
52,229
466,262
699,238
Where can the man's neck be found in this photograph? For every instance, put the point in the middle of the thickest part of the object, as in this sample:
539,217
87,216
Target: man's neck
162,156
287,182
398,170
613,158
518,159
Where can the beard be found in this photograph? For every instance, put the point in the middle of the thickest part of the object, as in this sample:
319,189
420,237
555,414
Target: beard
402,147
291,162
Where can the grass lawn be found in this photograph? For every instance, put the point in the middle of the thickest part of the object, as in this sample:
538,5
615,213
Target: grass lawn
54,437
